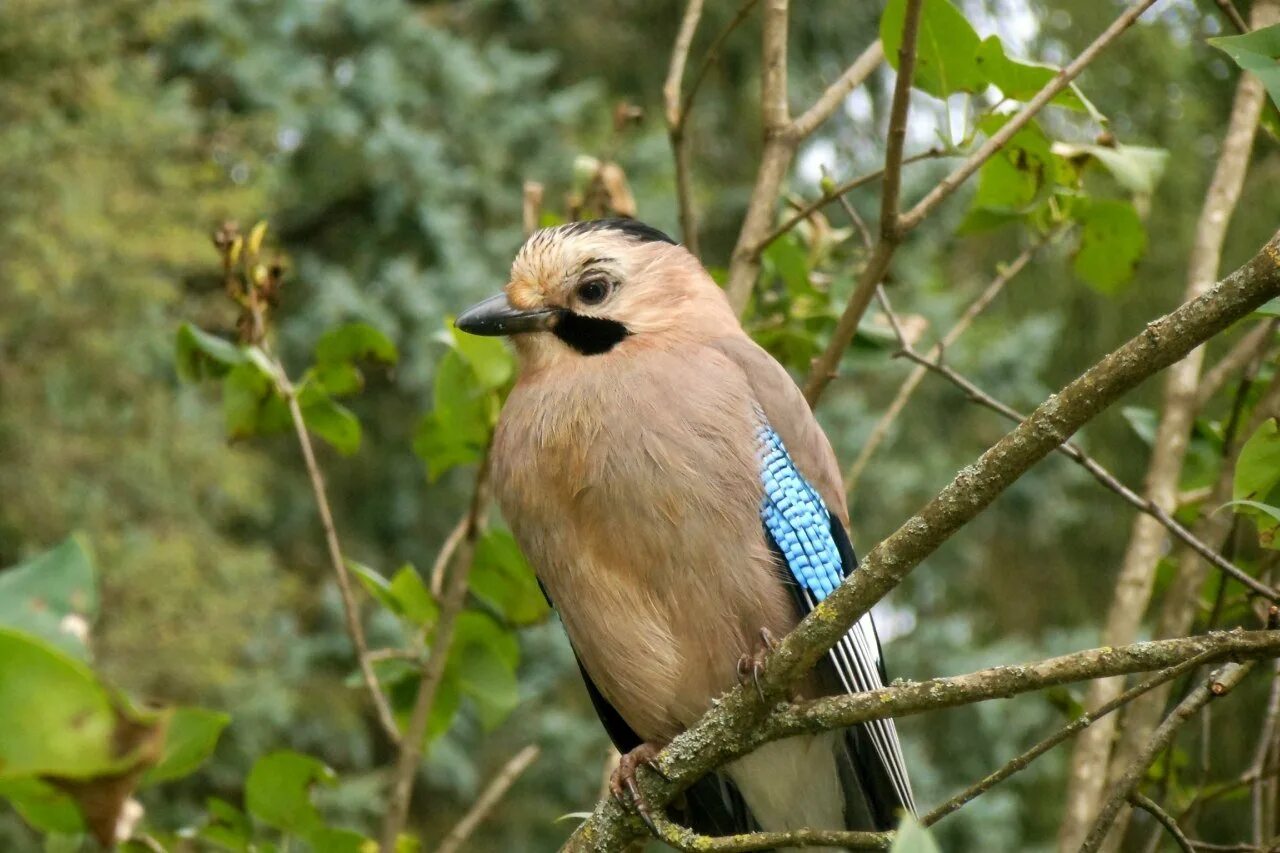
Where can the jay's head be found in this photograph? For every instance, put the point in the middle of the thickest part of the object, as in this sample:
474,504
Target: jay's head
586,289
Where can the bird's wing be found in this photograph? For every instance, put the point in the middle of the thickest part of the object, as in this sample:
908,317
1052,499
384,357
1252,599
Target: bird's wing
711,806
804,519
814,547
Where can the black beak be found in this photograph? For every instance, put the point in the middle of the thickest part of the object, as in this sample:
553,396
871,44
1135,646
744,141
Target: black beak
495,316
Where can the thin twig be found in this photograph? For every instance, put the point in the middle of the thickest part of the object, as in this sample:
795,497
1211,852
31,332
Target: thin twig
1249,347
393,654
1233,15
898,111
831,99
836,193
1164,818
824,366
1266,738
1066,732
489,798
445,556
880,431
1218,684
780,142
350,609
455,596
676,124
1073,451
711,57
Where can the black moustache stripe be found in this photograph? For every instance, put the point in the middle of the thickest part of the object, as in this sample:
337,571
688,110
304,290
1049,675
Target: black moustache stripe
590,335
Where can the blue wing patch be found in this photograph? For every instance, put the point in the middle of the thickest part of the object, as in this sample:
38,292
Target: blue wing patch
797,518
804,531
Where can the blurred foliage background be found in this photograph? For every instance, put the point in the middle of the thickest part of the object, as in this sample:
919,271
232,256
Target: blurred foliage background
386,141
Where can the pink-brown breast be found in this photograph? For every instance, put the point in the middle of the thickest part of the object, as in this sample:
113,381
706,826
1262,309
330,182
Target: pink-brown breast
631,482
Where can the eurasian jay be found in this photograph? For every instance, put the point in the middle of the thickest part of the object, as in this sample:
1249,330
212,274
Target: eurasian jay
680,506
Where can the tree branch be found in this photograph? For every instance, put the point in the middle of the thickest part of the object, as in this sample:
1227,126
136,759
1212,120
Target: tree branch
687,758
739,712
350,609
455,596
489,798
684,839
1066,732
1219,684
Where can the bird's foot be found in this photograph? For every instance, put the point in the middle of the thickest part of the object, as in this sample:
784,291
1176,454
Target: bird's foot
750,666
623,782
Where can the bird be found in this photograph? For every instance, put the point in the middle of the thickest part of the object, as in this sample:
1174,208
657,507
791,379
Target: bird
682,508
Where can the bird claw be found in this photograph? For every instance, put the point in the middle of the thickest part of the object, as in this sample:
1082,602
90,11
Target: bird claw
623,781
752,665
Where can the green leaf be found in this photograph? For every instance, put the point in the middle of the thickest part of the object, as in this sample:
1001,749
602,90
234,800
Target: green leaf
489,358
405,595
200,355
355,341
1112,241
250,404
911,837
328,840
946,49
278,791
52,596
448,701
335,379
457,429
42,806
229,828
1258,52
1136,168
501,578
376,585
333,422
482,662
787,259
415,600
1265,517
1018,175
1143,422
1258,466
190,739
1020,81
77,729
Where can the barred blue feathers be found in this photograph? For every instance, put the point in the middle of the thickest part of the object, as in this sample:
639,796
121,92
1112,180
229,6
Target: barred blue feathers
797,518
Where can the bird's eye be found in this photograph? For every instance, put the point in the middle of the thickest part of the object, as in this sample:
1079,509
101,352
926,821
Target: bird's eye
593,291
